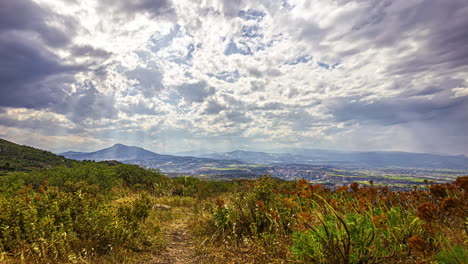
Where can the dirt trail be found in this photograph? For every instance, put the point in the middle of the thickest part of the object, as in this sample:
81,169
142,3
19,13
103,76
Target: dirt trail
180,248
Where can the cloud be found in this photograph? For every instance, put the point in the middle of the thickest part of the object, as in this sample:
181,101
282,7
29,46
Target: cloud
153,8
31,77
57,34
46,123
90,51
212,108
149,80
87,104
195,92
334,74
144,107
434,104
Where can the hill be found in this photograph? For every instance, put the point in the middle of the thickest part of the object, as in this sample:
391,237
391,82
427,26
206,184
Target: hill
117,152
14,157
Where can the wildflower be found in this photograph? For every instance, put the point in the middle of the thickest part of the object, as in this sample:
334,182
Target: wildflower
289,203
417,244
426,211
449,203
274,215
462,182
302,183
41,189
354,186
363,203
305,194
219,202
342,189
317,187
380,221
304,217
438,191
260,206
452,206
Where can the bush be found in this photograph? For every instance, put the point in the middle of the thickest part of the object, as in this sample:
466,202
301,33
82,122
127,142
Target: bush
52,224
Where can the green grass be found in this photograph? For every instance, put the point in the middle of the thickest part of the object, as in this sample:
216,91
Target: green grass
14,157
409,179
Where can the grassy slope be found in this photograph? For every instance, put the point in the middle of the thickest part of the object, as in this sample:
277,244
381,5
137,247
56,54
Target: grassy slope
14,157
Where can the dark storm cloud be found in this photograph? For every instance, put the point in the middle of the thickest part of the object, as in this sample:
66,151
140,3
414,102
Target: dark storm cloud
440,29
446,45
90,51
25,15
31,77
393,111
195,92
154,8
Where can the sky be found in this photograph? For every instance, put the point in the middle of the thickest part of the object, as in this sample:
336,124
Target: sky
220,75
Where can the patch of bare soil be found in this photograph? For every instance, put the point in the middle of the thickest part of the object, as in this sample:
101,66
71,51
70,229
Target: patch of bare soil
180,248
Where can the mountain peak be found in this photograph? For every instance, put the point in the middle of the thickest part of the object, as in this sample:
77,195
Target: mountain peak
118,145
118,152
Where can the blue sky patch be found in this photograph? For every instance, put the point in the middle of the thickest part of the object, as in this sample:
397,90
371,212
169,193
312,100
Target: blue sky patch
251,14
233,48
300,59
323,65
251,32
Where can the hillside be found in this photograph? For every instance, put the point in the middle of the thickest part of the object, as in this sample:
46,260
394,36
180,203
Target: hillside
14,157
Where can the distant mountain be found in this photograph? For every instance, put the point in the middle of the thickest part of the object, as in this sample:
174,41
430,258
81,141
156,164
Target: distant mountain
193,153
70,153
370,158
14,157
257,157
166,163
241,161
117,152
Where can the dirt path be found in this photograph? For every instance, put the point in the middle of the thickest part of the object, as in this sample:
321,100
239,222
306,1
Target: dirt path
180,248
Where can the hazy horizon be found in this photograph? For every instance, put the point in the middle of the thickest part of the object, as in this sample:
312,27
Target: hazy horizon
209,151
173,76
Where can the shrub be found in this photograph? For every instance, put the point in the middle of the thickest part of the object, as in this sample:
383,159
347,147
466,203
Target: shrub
51,225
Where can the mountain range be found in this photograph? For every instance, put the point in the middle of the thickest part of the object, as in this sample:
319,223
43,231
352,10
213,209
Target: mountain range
296,156
365,159
143,157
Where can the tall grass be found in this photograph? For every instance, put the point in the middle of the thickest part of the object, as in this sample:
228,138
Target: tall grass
353,224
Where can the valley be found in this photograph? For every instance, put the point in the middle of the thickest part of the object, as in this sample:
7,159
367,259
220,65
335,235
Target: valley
330,168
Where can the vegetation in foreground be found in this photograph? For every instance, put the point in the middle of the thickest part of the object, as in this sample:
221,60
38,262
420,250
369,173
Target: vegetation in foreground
87,212
271,221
